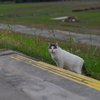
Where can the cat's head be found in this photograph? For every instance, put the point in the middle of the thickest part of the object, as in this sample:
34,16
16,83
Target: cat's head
53,48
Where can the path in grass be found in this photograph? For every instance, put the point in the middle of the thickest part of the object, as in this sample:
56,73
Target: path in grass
57,34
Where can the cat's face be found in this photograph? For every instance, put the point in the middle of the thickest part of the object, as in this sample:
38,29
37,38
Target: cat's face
53,48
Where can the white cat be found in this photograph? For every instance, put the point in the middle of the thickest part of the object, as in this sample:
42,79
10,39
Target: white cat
67,60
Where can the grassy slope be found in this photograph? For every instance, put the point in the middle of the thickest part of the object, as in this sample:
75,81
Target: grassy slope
37,47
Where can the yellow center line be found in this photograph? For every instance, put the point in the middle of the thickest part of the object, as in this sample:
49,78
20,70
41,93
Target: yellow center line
60,72
92,85
71,76
30,61
71,73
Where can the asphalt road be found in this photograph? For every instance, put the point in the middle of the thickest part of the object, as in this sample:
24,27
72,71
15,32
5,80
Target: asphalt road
9,92
86,39
25,78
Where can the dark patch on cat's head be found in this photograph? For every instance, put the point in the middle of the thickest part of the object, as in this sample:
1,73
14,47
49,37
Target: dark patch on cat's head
53,45
53,48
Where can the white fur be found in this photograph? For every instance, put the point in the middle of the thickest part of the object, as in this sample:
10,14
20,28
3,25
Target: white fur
66,60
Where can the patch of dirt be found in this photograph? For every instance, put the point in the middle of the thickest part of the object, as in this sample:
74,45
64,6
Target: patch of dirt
85,9
71,19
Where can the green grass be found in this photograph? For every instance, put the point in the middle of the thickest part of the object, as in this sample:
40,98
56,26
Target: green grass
89,19
37,46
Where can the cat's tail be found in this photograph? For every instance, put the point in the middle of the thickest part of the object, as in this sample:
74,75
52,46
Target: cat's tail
85,71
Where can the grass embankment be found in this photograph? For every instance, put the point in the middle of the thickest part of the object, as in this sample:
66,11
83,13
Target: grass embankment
89,20
37,46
